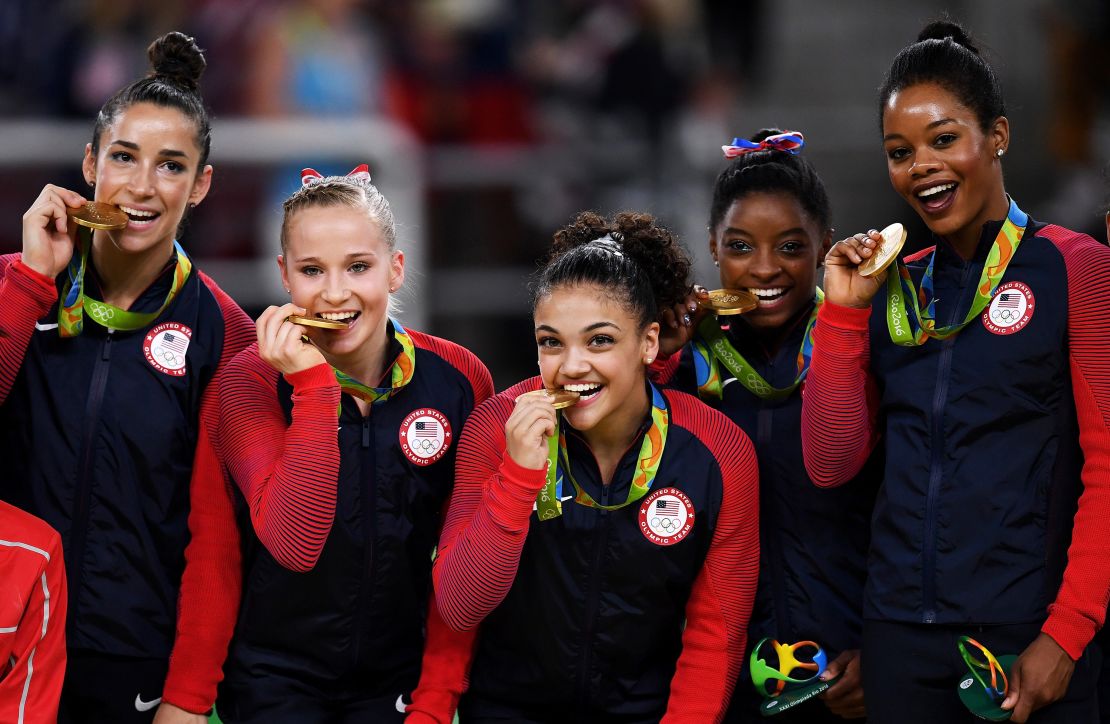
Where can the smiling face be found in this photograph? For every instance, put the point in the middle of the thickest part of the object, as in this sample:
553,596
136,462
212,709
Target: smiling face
942,162
591,343
767,244
338,266
148,165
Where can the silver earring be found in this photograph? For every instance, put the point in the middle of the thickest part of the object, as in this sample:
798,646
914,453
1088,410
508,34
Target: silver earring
648,360
287,291
716,263
1000,152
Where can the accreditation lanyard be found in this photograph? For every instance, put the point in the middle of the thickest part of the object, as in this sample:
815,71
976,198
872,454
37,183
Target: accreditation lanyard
548,503
75,304
911,330
400,373
711,345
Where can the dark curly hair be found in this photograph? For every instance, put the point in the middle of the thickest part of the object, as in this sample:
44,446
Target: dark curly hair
639,261
771,171
174,82
945,54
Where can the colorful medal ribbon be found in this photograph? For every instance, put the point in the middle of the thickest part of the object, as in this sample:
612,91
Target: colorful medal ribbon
711,345
911,330
400,374
990,663
548,503
72,310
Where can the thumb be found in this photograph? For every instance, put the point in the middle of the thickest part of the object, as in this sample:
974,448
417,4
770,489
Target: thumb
834,669
1013,693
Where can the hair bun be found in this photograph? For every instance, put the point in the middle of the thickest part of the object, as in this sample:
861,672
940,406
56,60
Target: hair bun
945,29
764,133
176,58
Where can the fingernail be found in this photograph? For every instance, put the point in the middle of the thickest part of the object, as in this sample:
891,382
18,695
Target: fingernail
686,319
692,306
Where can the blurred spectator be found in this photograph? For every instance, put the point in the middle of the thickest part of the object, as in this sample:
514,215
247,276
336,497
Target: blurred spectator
1079,51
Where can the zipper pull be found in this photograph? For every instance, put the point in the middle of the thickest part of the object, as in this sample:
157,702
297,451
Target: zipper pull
106,350
366,431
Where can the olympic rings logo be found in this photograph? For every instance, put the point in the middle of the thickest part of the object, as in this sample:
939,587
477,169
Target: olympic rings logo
102,312
1005,316
168,356
667,524
427,446
757,385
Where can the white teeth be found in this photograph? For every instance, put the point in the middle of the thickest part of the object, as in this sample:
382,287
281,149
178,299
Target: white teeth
338,315
584,387
935,190
136,212
768,293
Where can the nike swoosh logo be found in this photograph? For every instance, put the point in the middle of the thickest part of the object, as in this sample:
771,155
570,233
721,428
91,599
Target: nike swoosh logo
141,705
563,499
400,703
45,327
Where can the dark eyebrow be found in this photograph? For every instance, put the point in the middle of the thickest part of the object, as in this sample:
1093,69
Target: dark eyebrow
595,325
349,257
785,232
929,127
173,153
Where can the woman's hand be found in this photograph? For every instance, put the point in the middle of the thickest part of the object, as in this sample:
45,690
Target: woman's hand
280,343
48,234
845,697
527,431
843,284
170,714
678,324
1039,677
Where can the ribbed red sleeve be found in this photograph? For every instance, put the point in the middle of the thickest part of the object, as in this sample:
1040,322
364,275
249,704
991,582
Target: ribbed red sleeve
446,664
479,550
839,399
25,296
34,663
663,369
720,604
1080,605
288,474
208,602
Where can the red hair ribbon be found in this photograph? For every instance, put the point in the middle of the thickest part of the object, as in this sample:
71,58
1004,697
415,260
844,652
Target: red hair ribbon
311,176
789,141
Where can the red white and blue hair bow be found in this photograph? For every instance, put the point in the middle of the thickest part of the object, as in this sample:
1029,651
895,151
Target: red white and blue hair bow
311,176
790,142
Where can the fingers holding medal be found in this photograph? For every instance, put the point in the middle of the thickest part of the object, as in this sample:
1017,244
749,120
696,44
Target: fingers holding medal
282,343
532,422
48,236
855,267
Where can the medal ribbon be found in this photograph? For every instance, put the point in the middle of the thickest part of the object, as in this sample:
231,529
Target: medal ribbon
711,345
994,691
72,310
400,374
911,330
548,504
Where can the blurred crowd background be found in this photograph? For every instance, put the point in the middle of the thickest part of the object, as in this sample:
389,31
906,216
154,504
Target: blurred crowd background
489,123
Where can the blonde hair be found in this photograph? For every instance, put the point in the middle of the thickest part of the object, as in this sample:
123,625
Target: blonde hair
355,192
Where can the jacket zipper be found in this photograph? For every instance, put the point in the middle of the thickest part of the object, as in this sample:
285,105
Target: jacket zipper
594,594
940,395
764,428
368,500
83,490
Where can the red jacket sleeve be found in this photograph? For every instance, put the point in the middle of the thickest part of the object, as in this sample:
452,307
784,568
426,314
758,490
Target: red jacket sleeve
1080,606
35,668
447,653
839,399
287,473
720,603
479,550
208,603
25,296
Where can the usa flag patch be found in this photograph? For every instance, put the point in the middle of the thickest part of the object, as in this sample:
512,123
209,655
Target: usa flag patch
666,516
166,347
425,435
1010,309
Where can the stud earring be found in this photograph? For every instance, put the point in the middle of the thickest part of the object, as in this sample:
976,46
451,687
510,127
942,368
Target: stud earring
648,360
1000,152
92,184
716,263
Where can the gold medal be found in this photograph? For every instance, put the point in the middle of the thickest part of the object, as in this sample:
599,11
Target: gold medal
97,215
730,301
883,255
559,398
317,322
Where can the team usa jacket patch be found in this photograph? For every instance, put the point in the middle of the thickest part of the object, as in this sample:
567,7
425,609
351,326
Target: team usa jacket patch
666,516
165,348
425,435
1010,310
